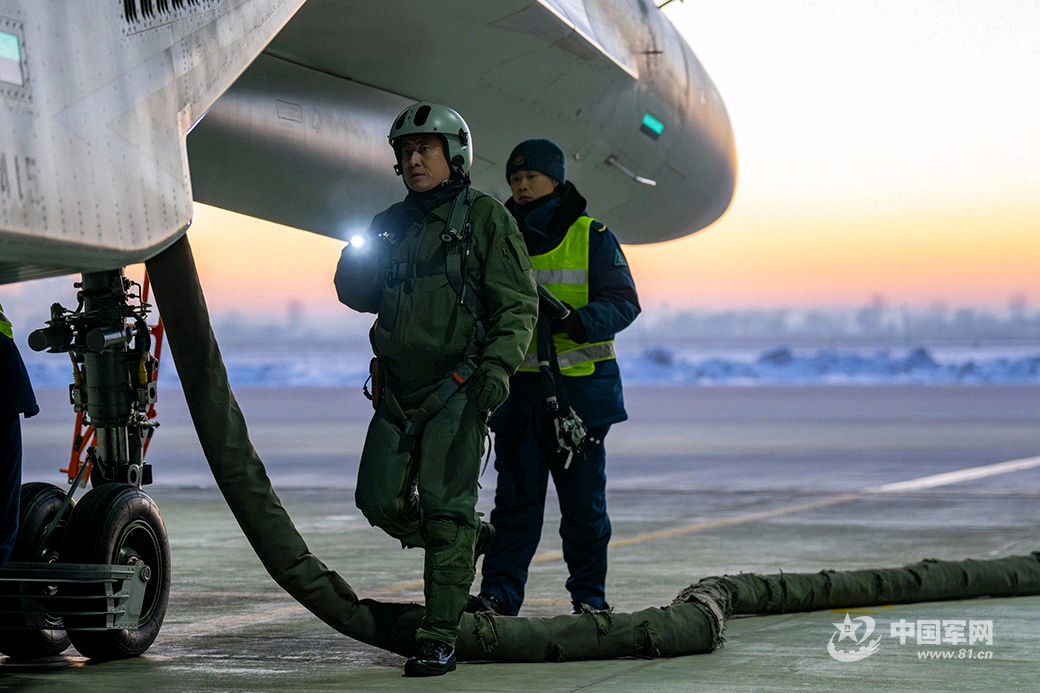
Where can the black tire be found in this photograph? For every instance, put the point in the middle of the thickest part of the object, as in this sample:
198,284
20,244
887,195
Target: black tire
119,524
40,503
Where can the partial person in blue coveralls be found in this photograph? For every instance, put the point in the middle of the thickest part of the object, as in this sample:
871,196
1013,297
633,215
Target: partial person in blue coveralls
16,398
580,261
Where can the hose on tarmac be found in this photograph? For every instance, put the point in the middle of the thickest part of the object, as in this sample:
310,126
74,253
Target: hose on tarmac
692,624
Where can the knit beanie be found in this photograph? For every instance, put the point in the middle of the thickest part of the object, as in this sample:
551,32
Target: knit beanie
539,155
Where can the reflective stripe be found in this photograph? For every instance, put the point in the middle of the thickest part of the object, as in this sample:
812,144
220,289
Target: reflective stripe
592,352
601,351
561,276
531,361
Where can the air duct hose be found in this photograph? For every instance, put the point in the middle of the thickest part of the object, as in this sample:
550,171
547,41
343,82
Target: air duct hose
927,581
692,624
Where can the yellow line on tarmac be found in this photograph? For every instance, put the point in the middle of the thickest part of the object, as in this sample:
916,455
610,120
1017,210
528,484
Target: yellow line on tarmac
714,524
969,474
279,612
550,556
931,481
925,482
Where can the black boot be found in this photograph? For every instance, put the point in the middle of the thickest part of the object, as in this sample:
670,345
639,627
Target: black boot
432,658
483,603
485,537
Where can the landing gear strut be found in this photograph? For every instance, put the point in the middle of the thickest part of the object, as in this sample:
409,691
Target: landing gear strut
114,371
96,572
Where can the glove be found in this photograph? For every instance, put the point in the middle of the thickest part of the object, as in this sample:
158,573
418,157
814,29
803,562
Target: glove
490,386
572,326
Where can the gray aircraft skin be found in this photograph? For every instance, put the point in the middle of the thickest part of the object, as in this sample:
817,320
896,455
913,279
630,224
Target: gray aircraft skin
288,104
120,114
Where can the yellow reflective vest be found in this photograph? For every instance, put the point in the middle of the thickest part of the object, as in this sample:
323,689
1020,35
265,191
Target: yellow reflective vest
564,271
6,328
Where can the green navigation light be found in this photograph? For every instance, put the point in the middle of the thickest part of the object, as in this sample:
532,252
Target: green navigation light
10,59
9,47
651,126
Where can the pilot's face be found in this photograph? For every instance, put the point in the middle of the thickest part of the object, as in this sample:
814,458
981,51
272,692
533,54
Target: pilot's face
423,163
528,186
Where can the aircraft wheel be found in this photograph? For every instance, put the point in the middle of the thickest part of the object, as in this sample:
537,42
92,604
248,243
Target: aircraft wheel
119,524
40,503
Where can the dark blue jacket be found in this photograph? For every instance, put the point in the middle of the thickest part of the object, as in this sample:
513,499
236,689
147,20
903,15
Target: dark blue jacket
16,393
613,305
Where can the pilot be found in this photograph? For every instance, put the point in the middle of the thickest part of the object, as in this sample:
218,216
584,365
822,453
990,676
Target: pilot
448,276
556,418
16,397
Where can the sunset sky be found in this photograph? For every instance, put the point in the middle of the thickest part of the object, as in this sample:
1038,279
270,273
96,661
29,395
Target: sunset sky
886,149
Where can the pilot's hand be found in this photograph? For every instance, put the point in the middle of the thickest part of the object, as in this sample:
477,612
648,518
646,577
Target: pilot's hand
490,386
571,325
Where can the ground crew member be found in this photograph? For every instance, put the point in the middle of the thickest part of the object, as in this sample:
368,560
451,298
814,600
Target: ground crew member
16,397
580,261
448,276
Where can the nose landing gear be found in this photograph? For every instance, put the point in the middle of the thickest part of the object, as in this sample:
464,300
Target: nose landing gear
94,573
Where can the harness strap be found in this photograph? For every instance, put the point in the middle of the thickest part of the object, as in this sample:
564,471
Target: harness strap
434,402
457,235
570,431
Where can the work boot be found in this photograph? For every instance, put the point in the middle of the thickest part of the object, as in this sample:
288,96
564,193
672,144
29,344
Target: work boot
485,537
584,608
483,603
432,658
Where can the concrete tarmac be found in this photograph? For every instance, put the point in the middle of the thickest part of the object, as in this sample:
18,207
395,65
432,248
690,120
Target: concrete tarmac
703,481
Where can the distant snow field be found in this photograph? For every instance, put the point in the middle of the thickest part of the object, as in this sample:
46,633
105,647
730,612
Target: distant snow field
280,366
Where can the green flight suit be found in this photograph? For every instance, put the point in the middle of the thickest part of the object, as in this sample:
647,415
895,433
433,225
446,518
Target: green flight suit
422,489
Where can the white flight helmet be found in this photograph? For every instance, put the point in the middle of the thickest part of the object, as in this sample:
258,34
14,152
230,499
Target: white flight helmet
431,118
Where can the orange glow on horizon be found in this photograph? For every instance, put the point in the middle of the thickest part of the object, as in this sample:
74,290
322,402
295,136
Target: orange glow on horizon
250,266
746,262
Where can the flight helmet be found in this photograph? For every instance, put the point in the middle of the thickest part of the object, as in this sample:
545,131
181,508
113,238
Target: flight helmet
430,118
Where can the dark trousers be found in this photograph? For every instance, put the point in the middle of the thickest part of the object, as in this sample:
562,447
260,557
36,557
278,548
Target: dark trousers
10,481
524,462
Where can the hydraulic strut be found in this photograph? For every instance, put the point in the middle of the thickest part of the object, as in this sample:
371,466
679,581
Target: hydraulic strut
108,340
